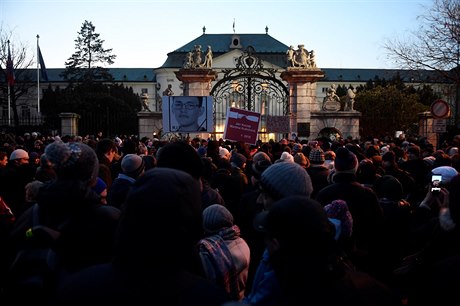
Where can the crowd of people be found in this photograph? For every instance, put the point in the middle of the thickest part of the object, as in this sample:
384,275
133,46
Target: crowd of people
212,222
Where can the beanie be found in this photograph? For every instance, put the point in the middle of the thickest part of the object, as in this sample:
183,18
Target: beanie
338,209
285,157
132,165
259,167
345,161
216,217
316,156
238,159
202,151
260,156
285,179
74,160
296,148
19,154
182,156
447,173
223,153
100,185
300,159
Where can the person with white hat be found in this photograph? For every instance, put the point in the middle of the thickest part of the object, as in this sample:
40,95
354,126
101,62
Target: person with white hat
16,175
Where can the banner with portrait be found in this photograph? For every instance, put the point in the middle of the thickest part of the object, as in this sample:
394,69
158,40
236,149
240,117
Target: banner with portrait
187,114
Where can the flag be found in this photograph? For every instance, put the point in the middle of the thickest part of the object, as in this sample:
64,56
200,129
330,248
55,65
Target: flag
9,68
42,65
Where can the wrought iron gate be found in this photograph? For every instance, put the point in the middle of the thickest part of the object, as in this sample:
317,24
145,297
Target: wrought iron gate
252,87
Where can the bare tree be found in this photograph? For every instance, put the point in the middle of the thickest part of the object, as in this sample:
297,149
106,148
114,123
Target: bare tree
434,45
23,77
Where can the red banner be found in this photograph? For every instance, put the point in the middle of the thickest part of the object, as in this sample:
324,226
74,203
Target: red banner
242,125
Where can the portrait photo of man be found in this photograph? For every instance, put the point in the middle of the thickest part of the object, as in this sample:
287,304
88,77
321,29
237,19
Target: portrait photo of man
188,114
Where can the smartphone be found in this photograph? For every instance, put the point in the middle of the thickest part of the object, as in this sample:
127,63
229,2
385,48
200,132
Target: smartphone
436,183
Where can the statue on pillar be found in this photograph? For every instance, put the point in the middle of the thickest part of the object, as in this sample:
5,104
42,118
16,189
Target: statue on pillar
168,91
350,99
145,103
194,58
331,101
300,58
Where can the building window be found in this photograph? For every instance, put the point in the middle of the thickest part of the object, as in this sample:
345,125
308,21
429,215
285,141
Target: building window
145,90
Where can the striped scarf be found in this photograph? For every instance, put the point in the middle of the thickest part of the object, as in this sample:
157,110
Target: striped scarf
220,259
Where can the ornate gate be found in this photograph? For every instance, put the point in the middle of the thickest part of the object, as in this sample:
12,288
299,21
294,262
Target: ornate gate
252,87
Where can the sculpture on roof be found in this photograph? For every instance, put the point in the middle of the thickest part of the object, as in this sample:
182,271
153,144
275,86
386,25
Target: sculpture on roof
300,58
194,58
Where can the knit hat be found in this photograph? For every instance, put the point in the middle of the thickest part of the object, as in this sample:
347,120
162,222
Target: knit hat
238,159
447,173
388,186
296,148
223,153
182,156
297,218
19,154
74,160
316,156
284,179
345,161
202,151
100,185
132,165
216,217
300,159
338,210
285,157
259,167
260,156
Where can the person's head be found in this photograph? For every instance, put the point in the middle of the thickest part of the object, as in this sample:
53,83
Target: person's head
100,187
216,217
187,110
3,159
281,180
108,148
293,219
132,165
73,161
162,212
19,157
180,155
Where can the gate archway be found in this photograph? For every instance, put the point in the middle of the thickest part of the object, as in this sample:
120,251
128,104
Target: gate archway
252,87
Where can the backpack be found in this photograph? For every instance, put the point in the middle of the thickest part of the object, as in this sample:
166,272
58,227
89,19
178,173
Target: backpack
35,271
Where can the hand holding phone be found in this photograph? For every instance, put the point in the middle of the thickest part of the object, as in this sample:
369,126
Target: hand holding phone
436,181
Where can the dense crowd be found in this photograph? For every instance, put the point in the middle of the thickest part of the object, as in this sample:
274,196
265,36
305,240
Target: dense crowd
122,220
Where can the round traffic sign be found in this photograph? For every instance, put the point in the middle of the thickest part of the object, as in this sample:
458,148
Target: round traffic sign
440,109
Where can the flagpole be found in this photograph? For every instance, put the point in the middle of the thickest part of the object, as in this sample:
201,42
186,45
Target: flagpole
9,88
9,105
38,78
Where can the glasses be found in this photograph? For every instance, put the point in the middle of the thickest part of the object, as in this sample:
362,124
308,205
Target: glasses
187,106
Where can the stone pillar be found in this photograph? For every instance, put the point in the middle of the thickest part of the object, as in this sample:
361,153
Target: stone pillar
302,95
197,82
149,123
425,128
69,123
